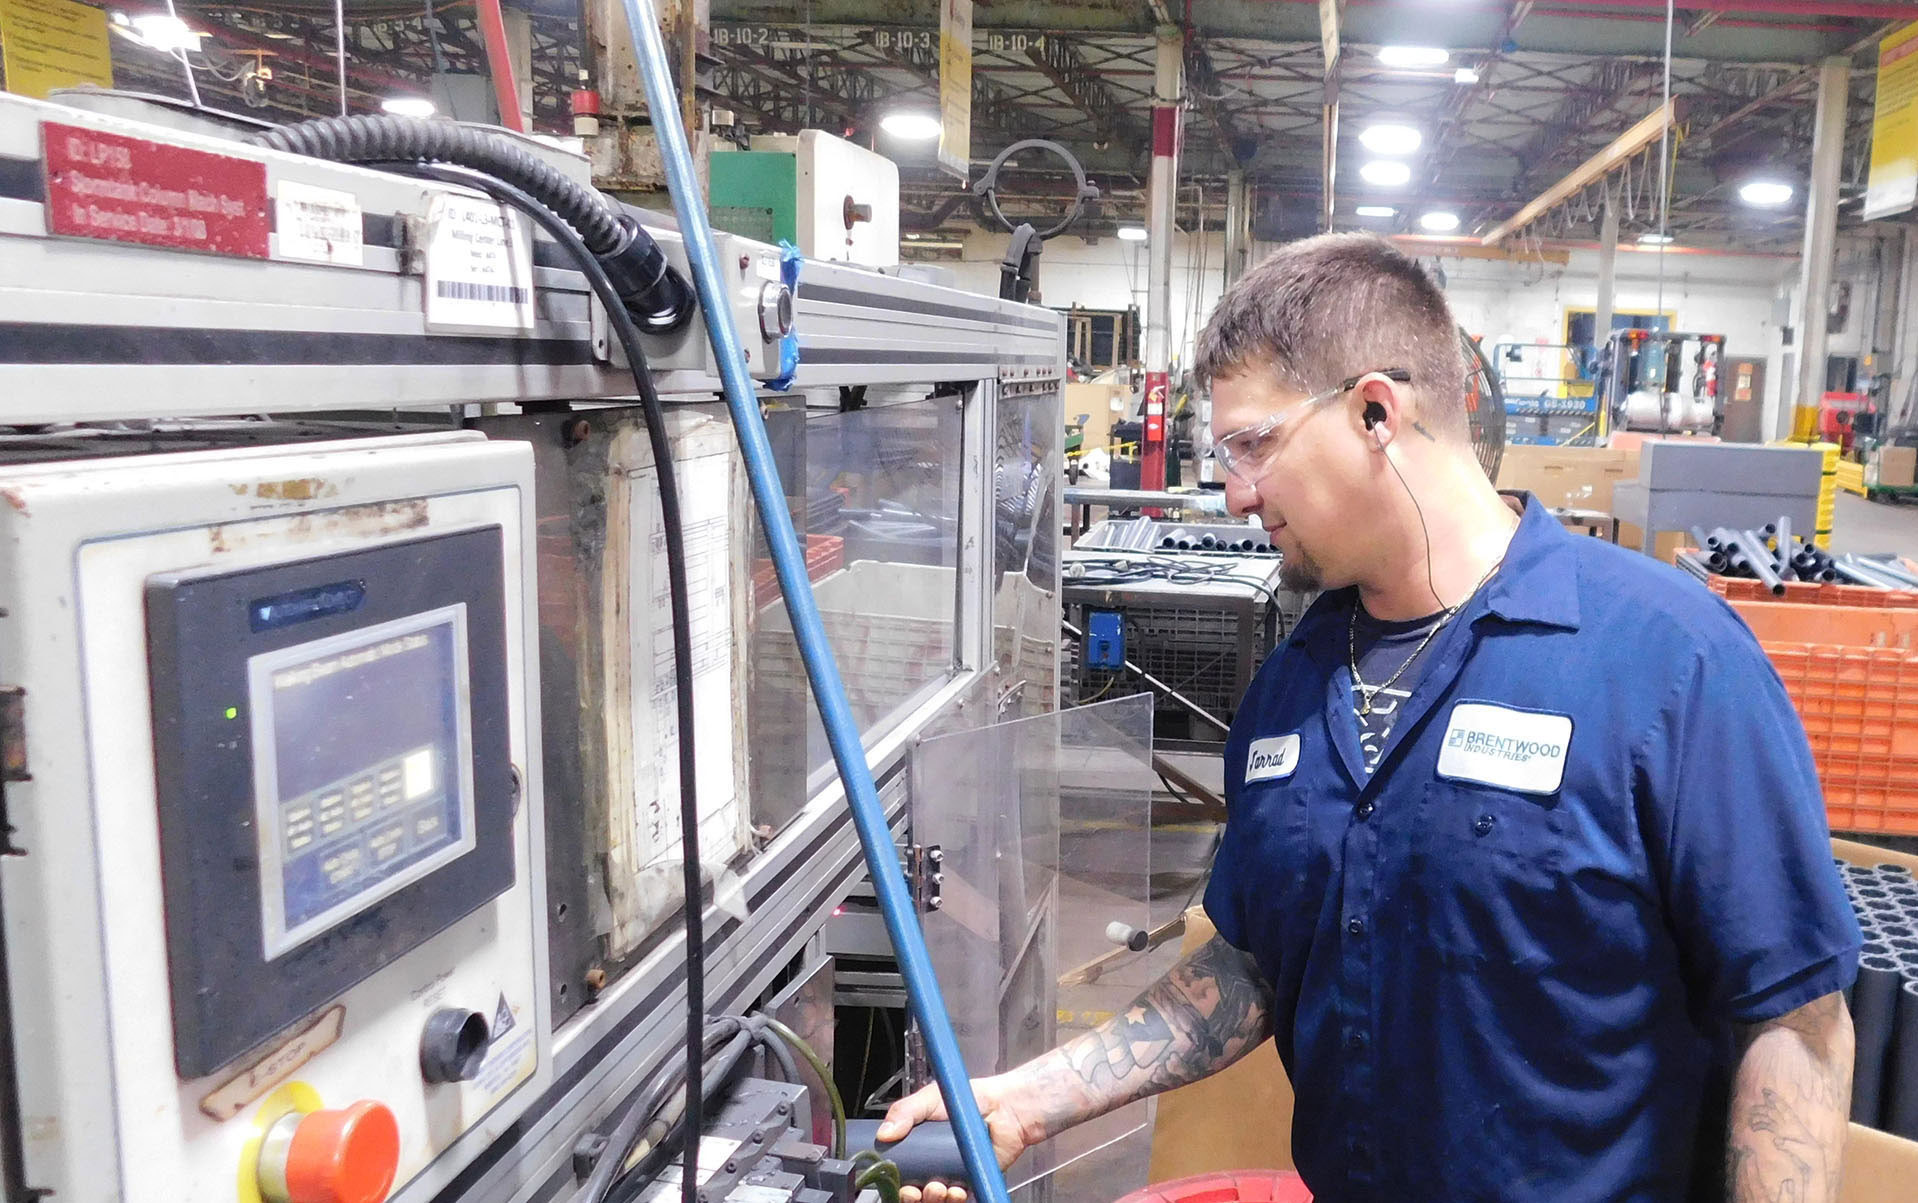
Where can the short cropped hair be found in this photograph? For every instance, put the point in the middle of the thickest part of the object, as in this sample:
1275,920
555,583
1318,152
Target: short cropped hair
1324,309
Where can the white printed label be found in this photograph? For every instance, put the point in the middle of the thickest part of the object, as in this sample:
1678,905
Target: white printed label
479,266
1512,749
317,225
1272,759
766,267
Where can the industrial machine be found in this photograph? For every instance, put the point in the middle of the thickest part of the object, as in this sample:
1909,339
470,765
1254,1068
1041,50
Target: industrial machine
1184,611
337,687
1662,381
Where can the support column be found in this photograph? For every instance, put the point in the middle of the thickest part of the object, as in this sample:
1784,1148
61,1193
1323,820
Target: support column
1237,224
1607,273
1162,203
1821,229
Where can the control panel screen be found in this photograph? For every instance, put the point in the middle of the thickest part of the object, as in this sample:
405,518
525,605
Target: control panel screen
362,768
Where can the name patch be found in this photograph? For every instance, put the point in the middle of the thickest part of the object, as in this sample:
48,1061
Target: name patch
1512,749
1272,759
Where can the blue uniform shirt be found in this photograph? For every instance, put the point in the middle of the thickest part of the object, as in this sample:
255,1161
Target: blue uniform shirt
1507,964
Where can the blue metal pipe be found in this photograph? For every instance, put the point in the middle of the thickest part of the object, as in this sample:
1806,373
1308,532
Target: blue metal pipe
822,670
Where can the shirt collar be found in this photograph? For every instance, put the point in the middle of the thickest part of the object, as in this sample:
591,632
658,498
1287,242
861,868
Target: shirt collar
1537,583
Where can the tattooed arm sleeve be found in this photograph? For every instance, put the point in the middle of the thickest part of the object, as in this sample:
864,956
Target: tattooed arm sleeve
1211,1009
1791,1097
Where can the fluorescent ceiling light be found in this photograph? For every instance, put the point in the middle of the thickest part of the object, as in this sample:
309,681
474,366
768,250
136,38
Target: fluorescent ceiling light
408,106
1386,173
1465,75
1377,211
1413,56
1132,233
1438,221
1387,138
1765,193
914,127
1654,238
167,34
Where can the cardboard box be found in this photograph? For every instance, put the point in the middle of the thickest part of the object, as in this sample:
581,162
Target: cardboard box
1578,478
1103,404
1667,547
1893,467
1241,1119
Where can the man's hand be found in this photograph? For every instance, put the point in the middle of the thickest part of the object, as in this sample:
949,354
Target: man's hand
1791,1098
1010,1123
1211,1009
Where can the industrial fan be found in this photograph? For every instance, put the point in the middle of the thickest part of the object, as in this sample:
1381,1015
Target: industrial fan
1484,407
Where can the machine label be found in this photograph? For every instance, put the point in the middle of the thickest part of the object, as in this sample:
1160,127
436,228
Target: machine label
318,225
479,266
1272,759
275,1067
121,189
1518,750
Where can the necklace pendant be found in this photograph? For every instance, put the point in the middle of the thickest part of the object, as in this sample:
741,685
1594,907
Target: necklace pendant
1365,710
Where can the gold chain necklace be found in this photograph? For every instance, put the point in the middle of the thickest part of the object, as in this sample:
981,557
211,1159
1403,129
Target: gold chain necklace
1368,692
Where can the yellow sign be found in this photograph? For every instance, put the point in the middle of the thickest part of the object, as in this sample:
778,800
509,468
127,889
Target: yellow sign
955,86
48,44
1892,186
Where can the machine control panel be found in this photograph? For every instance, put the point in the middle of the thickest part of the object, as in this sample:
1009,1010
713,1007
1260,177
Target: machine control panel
362,768
330,736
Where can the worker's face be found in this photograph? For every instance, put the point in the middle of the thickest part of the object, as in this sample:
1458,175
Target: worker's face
1300,481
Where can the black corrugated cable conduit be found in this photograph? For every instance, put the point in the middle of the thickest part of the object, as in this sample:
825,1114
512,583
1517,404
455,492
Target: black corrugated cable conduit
658,298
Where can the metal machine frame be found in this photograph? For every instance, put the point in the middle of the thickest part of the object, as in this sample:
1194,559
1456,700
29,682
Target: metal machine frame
142,346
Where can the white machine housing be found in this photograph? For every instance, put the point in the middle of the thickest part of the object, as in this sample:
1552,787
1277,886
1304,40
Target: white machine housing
105,1115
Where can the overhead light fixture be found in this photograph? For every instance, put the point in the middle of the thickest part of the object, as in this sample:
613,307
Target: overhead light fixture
408,106
1132,233
1465,75
1766,194
1654,238
1386,173
1438,221
911,126
1387,138
1376,211
1413,56
160,31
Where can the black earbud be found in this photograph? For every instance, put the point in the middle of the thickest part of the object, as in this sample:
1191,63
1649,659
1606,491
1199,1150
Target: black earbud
1373,415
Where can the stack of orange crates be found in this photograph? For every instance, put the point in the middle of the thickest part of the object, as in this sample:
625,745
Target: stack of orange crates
1856,689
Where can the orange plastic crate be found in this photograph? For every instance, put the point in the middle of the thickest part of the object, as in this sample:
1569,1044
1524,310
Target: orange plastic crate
1859,705
1828,593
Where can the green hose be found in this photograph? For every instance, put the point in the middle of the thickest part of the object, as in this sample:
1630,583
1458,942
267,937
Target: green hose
812,1059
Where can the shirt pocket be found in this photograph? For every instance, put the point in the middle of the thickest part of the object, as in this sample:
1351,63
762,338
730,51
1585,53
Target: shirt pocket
1488,874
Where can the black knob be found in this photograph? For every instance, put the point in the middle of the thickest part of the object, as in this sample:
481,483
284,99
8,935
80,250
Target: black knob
453,1045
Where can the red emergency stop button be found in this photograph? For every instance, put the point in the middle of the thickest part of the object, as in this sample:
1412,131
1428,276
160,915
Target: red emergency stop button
348,1155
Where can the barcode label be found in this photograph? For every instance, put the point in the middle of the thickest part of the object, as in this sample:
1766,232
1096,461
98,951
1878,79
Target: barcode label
479,266
467,290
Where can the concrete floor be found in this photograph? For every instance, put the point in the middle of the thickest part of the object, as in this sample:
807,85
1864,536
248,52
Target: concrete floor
1874,527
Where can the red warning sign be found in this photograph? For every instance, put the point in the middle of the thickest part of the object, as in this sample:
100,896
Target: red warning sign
121,189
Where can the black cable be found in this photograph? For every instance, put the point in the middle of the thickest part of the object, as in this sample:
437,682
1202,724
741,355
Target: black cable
655,418
639,279
1423,529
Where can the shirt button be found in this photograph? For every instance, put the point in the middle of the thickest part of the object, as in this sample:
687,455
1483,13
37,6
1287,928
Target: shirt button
1365,810
1356,926
1355,1041
1484,824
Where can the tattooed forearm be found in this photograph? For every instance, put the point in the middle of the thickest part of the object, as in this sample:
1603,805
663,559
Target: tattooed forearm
1791,1096
1210,1010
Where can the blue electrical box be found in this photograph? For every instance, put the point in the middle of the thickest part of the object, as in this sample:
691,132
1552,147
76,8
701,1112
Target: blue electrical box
1105,639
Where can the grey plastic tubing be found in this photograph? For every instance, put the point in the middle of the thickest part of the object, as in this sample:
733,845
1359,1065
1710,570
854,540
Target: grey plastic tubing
1900,1089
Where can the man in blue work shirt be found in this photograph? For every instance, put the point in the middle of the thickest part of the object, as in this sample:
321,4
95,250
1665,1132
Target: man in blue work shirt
1526,869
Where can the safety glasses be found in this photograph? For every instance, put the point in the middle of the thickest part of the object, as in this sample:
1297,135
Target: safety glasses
1247,452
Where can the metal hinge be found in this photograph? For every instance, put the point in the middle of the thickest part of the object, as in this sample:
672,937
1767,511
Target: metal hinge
925,865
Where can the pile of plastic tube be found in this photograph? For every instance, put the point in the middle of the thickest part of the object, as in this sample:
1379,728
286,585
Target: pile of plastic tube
1884,1001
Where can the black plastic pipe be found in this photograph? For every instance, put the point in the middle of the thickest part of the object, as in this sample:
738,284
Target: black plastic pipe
1901,1086
1874,1000
1758,561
